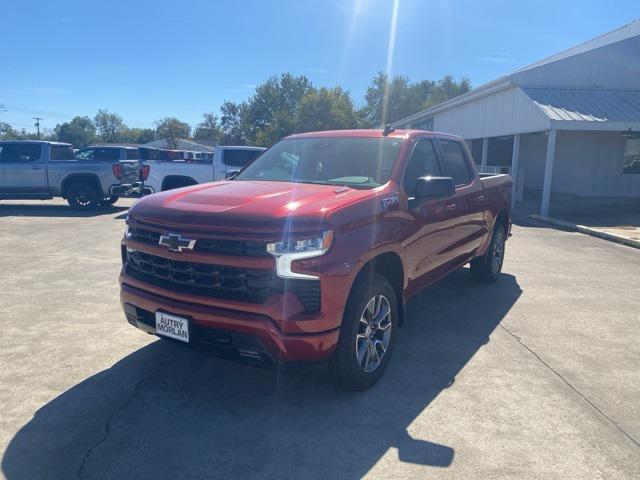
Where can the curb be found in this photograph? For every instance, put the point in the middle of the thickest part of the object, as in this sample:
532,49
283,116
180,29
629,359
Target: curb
612,237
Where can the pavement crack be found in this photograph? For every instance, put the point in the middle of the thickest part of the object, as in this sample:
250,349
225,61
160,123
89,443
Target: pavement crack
558,374
107,425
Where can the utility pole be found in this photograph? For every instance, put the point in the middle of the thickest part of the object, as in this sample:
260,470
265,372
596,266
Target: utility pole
37,124
2,109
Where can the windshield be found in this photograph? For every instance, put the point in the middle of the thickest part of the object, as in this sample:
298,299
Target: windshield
355,162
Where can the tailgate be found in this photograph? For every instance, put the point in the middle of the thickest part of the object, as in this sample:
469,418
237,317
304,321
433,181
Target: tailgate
130,172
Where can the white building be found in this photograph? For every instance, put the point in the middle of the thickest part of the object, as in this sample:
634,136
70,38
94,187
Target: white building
567,127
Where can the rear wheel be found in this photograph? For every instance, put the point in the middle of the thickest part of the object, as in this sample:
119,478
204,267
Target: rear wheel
367,334
486,269
82,196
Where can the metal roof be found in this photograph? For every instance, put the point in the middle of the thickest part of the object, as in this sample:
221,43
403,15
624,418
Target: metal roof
515,78
591,105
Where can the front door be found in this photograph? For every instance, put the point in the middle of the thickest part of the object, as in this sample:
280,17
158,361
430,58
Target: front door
23,169
432,220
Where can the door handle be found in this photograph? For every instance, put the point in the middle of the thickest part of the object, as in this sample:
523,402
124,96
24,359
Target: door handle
450,207
36,167
480,198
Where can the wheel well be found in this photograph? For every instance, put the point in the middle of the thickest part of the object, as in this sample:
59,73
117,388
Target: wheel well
503,219
389,265
92,179
175,181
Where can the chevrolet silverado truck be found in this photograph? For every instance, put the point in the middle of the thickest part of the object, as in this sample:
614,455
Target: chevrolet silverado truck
42,170
166,172
311,252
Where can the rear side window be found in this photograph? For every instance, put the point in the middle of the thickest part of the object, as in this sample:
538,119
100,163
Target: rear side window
106,154
61,152
239,158
454,162
423,163
133,154
15,152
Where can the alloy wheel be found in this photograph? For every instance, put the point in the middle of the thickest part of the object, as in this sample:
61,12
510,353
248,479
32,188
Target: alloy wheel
497,254
374,333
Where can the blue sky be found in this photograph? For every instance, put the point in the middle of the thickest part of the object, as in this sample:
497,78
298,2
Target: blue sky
145,60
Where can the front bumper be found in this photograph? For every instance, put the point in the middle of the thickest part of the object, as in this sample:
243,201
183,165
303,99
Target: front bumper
250,335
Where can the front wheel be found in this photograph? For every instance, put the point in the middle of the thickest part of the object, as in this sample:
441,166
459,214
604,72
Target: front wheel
367,334
486,269
82,196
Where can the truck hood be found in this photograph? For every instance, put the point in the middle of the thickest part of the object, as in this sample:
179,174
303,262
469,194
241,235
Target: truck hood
252,207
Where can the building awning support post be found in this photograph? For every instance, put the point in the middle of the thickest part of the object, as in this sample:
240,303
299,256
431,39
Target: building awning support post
515,154
548,173
485,153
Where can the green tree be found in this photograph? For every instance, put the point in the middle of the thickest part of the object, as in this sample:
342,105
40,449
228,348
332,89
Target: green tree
232,117
325,109
390,100
269,114
138,135
80,132
7,132
109,126
445,89
208,129
172,130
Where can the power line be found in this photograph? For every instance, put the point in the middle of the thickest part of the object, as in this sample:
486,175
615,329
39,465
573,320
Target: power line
67,116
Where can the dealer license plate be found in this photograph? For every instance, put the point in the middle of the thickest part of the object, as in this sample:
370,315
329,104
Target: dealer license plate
172,326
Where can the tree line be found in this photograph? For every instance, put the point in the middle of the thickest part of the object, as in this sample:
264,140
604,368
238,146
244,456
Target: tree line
280,106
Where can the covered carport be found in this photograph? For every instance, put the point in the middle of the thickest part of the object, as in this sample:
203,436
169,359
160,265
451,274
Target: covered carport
566,128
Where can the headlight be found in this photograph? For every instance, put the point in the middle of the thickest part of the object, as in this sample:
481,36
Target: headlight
290,250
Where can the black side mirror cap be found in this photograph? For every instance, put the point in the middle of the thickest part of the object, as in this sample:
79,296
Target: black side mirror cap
434,187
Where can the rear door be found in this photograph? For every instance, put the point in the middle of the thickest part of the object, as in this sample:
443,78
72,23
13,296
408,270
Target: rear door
467,206
24,168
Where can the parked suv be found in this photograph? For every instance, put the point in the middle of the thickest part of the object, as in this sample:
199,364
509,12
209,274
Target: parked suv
43,170
311,252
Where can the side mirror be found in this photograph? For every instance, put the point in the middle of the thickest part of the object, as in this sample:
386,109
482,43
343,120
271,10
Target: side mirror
434,187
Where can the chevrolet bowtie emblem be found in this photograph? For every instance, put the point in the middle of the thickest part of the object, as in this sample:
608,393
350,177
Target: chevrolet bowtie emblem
176,243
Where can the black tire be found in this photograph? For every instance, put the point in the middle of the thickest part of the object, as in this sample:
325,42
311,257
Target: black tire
345,367
110,200
83,196
487,269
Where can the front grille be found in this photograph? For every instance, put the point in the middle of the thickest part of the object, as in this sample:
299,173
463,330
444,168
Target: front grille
243,284
217,281
204,245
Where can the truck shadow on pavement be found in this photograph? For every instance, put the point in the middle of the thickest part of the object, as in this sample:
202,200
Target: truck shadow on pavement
171,412
44,210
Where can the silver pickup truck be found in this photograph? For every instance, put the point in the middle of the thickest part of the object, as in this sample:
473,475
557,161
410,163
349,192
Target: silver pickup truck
43,170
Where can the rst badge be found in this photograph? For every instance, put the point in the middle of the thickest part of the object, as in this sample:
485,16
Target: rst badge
390,201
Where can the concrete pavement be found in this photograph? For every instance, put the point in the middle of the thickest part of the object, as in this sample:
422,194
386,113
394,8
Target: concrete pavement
534,377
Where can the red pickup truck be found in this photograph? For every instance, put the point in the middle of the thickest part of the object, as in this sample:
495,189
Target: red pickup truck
311,251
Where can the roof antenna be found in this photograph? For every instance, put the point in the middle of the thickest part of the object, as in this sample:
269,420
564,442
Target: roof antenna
387,130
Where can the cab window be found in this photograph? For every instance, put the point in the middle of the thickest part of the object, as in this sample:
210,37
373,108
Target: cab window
15,152
455,162
61,152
